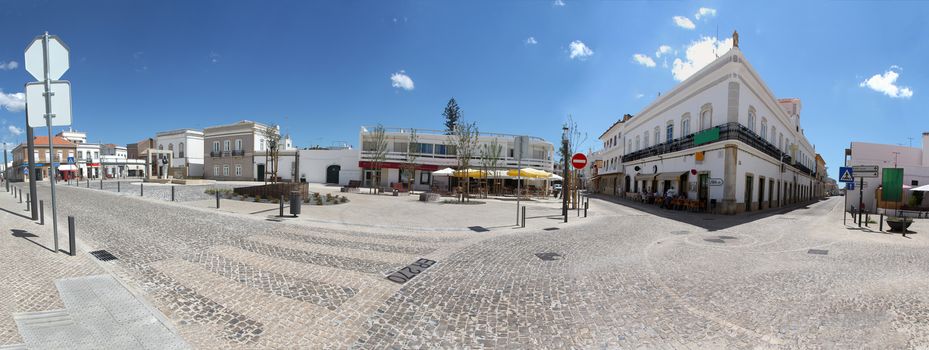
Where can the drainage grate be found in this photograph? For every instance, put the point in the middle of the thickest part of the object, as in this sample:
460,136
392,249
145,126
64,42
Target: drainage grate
103,255
727,237
550,228
679,232
714,240
817,251
548,256
478,229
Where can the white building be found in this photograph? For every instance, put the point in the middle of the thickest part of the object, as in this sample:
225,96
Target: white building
720,137
186,146
333,165
436,152
914,161
114,162
87,159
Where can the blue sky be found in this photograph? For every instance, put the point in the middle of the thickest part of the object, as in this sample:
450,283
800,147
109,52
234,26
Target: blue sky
322,69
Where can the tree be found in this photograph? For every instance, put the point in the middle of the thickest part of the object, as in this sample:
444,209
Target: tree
575,139
375,147
464,139
452,115
490,156
272,138
412,152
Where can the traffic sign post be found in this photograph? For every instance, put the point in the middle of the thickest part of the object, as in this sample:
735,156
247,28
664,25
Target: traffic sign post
579,161
47,60
521,147
846,174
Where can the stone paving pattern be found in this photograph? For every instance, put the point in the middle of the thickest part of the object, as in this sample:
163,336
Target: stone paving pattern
628,277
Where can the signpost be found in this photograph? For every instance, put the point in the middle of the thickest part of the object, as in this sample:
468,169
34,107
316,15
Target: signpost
521,147
47,60
846,174
715,181
862,171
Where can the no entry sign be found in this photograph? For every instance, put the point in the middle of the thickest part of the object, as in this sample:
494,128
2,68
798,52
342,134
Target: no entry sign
579,160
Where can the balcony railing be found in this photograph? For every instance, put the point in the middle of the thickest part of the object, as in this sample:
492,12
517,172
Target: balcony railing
728,131
215,154
238,153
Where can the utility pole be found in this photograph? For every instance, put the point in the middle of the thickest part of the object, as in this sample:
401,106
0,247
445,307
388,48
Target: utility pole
6,170
33,194
564,172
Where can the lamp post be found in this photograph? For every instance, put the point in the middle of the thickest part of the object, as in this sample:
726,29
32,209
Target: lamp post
564,173
6,172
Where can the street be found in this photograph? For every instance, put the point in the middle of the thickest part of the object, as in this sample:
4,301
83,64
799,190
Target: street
623,278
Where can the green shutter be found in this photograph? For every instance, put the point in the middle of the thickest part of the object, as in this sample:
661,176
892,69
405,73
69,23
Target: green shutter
706,136
892,184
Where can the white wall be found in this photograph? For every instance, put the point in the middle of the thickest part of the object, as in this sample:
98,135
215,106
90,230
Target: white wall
313,164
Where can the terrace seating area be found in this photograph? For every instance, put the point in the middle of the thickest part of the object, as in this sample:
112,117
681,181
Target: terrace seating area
670,203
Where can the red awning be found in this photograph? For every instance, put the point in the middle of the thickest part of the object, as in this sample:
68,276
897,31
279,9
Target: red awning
389,165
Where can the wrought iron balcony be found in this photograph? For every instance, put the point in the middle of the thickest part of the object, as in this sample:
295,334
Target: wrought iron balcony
215,154
238,153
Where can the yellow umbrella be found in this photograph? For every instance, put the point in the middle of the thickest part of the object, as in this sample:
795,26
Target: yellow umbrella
469,173
529,173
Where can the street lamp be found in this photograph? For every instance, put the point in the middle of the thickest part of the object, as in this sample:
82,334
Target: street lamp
564,181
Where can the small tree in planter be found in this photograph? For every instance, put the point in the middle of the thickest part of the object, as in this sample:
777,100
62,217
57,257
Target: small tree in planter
464,139
374,147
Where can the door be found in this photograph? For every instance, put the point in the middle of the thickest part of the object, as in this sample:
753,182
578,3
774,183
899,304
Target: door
332,174
760,193
261,172
748,193
703,190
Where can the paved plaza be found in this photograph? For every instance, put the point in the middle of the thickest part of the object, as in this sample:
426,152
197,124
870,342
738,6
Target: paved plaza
626,276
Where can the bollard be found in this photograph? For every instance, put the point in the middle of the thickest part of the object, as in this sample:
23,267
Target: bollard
117,186
28,197
586,205
524,217
20,196
71,243
101,183
282,207
172,193
867,219
217,199
882,222
41,212
88,183
141,189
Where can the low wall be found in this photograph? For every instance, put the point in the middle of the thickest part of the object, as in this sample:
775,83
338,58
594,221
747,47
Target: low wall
274,190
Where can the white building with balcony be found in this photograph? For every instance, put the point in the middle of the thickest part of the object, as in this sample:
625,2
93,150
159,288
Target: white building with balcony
435,152
87,157
914,162
720,138
186,146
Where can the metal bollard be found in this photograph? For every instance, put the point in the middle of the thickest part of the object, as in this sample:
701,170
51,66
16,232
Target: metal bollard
117,186
41,212
20,196
141,189
867,219
882,222
101,183
586,205
71,243
28,197
524,217
282,207
217,199
172,193
88,183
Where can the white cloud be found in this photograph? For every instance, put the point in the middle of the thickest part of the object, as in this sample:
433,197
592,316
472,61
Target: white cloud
401,80
643,60
8,65
214,57
14,102
886,83
531,41
580,50
14,130
705,12
638,96
558,3
698,55
684,22
662,50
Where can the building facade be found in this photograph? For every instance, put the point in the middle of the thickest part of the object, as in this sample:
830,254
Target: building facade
47,164
719,137
229,151
914,161
186,146
434,151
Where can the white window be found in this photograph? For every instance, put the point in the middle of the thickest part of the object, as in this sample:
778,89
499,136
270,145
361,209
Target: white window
225,170
764,129
180,150
657,135
630,146
226,146
669,131
216,170
48,157
215,146
751,118
59,156
238,144
238,170
685,124
161,147
780,142
171,148
645,138
638,146
706,117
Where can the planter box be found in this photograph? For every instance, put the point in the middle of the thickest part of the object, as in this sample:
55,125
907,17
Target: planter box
429,197
899,224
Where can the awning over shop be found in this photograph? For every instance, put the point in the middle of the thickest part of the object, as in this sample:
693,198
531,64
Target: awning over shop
674,175
640,177
529,173
444,172
67,167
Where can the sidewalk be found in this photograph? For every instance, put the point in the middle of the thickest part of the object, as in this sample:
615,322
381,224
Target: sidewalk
29,267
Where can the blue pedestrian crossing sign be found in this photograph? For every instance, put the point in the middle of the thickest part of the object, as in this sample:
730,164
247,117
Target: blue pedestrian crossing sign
70,160
25,171
846,174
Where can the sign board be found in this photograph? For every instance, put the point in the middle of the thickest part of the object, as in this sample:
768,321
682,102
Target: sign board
892,185
58,60
25,171
850,186
70,160
521,147
579,160
706,136
716,181
61,103
846,174
865,170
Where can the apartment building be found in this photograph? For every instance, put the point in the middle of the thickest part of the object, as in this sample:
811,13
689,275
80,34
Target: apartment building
719,137
47,164
435,151
229,151
186,146
914,162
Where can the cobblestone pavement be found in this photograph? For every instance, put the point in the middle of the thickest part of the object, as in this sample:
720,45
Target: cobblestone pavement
623,278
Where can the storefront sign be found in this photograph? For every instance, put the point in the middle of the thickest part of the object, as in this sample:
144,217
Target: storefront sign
716,181
706,136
